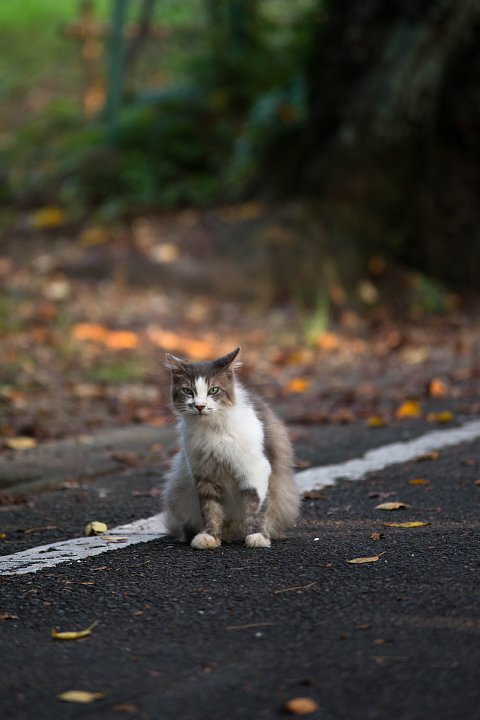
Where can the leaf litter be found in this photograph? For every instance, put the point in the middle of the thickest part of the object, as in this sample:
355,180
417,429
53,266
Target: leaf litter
73,634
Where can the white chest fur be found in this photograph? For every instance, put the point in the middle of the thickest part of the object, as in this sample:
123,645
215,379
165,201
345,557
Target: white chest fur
228,442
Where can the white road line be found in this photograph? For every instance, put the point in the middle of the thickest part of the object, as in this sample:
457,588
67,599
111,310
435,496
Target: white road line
77,549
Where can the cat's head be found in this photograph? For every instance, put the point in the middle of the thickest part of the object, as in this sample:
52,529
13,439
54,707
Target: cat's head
202,388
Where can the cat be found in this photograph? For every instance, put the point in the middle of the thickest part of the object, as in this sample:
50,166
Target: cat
232,478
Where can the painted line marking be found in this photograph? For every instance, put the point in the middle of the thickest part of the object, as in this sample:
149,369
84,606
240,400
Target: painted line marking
152,528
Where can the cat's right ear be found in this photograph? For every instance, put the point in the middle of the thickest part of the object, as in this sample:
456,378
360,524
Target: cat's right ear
173,363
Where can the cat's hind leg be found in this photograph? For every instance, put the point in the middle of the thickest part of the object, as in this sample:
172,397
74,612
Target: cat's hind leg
255,519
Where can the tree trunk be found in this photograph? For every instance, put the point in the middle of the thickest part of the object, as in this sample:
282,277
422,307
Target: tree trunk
393,129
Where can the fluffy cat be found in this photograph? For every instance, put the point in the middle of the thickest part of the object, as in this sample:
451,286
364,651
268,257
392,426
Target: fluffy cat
232,477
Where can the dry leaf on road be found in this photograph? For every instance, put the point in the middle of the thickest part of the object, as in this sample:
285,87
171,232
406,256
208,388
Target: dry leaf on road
80,696
418,481
445,416
95,528
21,443
391,506
362,560
300,706
408,524
408,409
73,634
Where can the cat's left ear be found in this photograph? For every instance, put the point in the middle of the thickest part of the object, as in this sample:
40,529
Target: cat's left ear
226,361
173,363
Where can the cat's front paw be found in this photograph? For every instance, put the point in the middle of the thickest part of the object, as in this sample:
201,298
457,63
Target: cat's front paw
257,540
204,541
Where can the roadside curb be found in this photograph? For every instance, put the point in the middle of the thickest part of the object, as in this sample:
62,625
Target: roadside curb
79,457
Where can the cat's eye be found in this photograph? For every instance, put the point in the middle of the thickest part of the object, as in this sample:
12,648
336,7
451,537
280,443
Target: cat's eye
187,391
213,390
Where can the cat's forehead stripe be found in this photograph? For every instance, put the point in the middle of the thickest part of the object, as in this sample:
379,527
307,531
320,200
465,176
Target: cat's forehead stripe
201,386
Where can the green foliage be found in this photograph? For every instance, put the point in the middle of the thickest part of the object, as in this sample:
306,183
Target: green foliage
195,144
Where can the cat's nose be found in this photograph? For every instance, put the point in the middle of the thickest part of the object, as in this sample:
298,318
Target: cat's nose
200,406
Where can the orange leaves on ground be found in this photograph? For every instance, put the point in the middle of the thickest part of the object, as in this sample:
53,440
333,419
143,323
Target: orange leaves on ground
298,385
190,348
438,388
417,481
328,341
408,409
300,706
113,339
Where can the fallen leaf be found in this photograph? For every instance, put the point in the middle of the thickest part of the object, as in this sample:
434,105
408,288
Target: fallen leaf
298,385
21,443
391,506
376,422
477,482
114,539
95,528
418,481
126,708
377,536
445,416
3,536
409,524
48,217
80,696
126,458
121,340
300,706
313,495
408,409
328,341
432,455
73,635
8,616
437,388
362,560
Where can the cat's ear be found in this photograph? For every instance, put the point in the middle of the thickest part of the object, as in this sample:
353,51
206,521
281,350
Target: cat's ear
173,363
226,361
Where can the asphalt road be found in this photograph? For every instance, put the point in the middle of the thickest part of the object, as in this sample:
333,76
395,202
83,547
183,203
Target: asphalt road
235,633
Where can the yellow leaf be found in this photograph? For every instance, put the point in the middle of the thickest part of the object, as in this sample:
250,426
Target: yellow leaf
362,560
3,536
73,635
391,506
411,524
95,528
432,455
21,443
376,422
418,481
48,217
410,408
445,416
80,696
300,706
298,385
